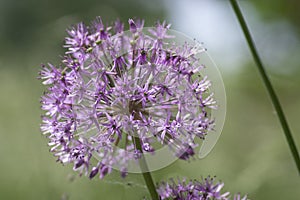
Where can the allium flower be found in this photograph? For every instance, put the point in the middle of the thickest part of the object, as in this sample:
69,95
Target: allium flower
207,189
116,86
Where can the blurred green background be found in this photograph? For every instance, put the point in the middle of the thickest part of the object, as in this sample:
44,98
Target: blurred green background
251,156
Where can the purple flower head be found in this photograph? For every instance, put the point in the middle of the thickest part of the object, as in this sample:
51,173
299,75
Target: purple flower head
207,189
115,86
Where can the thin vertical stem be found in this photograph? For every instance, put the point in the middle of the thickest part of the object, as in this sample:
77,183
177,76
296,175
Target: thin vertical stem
145,171
267,83
137,143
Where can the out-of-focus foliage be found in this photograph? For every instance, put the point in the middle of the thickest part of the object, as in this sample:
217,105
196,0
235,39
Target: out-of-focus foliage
276,10
31,26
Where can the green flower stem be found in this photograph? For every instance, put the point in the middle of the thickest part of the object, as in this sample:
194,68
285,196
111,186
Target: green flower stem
145,171
268,84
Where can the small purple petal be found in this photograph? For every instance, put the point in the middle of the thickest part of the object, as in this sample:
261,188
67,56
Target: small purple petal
94,172
132,26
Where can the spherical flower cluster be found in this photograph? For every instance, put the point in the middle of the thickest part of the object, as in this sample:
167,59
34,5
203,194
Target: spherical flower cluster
115,87
207,189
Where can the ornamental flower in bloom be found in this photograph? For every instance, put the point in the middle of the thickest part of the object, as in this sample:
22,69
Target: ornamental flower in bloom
116,89
207,189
